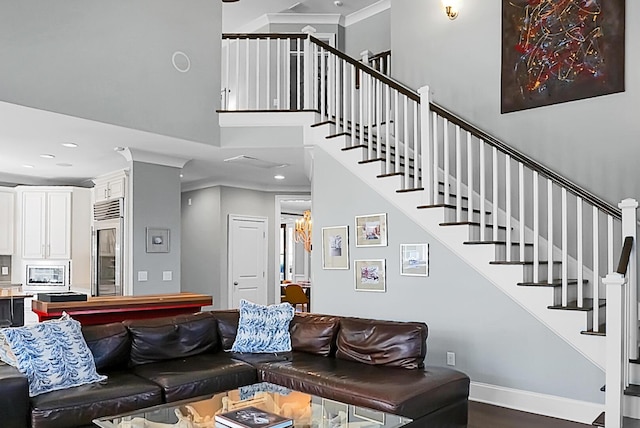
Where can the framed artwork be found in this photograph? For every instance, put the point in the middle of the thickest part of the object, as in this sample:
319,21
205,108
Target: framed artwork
335,247
157,240
370,415
556,51
414,259
334,414
370,275
371,230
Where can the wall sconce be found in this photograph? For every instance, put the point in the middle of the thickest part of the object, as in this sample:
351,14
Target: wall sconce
451,8
304,227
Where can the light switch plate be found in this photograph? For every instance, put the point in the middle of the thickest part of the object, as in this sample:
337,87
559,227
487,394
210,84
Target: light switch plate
5,270
143,275
167,275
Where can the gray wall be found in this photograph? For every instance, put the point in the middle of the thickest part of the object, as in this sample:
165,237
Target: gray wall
111,62
202,243
593,142
495,340
373,34
156,203
205,237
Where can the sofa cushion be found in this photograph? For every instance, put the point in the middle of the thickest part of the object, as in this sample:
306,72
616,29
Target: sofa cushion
74,407
314,333
263,328
159,339
386,343
109,343
410,393
52,355
198,375
227,326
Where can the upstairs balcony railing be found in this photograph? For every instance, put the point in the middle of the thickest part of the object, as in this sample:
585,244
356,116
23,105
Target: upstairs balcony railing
566,236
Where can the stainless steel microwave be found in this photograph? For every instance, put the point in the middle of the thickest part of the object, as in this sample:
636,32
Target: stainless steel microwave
46,276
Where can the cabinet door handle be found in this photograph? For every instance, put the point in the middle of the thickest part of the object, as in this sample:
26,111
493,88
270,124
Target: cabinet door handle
105,193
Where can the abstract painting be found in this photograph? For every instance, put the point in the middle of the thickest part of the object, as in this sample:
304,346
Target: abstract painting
554,51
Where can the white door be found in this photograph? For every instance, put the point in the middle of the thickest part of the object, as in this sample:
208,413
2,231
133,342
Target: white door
247,260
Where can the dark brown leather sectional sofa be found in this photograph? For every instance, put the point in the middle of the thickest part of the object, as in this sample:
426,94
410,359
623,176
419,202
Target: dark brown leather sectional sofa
369,363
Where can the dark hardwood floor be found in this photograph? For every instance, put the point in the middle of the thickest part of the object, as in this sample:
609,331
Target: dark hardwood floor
488,416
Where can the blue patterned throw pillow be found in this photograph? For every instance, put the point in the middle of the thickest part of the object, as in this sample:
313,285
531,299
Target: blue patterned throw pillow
263,328
52,355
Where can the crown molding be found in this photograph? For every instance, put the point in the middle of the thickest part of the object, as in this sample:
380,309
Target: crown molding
305,18
138,155
367,12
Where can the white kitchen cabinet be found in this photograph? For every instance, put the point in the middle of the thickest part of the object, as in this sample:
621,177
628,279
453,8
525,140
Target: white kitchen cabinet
46,224
7,197
110,187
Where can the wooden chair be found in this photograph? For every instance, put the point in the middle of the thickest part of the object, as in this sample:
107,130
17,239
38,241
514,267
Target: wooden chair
295,295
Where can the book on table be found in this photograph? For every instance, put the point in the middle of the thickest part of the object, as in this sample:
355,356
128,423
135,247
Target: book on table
252,417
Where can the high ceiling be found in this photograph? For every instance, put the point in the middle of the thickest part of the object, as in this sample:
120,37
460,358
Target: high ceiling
27,134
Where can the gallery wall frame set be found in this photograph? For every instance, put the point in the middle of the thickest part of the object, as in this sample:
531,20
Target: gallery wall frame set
414,259
335,247
371,230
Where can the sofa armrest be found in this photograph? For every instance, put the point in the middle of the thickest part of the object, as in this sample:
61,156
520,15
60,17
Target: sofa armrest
14,398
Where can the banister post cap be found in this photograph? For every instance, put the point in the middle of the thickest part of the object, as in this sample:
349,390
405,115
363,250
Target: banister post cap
628,203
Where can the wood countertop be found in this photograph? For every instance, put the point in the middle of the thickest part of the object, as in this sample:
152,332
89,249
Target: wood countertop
15,296
102,310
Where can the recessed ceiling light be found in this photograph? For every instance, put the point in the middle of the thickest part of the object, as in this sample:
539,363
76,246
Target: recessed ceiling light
70,145
181,175
27,166
66,165
279,177
47,156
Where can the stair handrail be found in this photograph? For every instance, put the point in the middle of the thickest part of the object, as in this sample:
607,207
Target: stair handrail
623,263
528,162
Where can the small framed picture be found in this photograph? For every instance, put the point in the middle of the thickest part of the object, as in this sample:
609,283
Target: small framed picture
157,240
371,230
414,259
335,247
370,275
334,414
370,415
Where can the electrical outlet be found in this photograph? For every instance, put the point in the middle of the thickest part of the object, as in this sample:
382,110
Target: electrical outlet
167,275
143,275
451,358
5,270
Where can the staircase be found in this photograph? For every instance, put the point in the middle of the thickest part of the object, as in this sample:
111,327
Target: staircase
538,237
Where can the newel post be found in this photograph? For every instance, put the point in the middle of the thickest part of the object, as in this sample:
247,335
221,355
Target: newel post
614,283
629,228
425,144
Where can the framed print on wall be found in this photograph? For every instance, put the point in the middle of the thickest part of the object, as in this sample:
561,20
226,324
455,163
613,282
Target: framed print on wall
414,259
157,240
370,275
371,230
335,247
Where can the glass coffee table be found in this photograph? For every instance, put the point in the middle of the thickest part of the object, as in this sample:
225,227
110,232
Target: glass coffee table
306,411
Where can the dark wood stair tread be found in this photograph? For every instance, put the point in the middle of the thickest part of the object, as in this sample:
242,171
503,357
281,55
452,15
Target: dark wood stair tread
413,189
599,421
602,331
324,122
554,283
527,244
468,223
633,390
573,306
453,207
525,263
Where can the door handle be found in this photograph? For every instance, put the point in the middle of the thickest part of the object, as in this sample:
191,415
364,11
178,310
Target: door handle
235,282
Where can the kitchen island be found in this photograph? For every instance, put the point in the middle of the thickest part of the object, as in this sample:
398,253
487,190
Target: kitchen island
106,309
12,307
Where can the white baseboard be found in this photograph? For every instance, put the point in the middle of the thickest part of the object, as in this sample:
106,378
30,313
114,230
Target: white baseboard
532,402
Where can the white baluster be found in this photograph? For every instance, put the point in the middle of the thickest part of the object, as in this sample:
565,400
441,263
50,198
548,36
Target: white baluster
370,114
470,178
507,204
299,75
495,206
278,76
258,74
458,176
610,260
483,191
387,163
246,73
362,112
406,142
425,135
323,83
396,119
521,214
580,252
565,250
596,269
227,89
268,77
354,122
549,231
445,152
436,184
536,229
418,171
340,125
345,97
237,86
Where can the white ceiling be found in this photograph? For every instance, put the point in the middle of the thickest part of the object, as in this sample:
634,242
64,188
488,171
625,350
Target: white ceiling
28,133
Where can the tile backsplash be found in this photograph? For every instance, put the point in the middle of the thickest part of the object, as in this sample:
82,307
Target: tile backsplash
5,269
